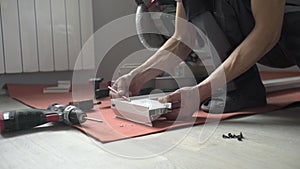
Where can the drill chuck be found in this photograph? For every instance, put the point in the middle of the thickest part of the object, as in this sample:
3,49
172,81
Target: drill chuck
73,115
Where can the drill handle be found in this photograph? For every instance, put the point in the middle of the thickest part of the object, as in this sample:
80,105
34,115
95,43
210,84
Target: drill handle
26,119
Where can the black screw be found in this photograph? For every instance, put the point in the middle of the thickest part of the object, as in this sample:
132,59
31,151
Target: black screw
239,138
241,134
224,136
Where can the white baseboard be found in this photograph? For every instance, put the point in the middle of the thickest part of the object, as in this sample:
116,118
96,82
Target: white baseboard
3,92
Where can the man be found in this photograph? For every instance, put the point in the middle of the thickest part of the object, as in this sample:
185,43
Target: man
265,31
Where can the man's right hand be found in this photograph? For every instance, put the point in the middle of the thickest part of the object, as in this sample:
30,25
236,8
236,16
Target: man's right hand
126,85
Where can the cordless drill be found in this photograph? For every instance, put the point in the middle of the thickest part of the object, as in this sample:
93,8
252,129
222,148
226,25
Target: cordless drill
29,118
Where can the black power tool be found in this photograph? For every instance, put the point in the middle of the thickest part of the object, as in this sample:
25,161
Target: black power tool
29,118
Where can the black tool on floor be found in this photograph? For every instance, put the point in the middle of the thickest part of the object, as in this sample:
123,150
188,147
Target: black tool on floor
29,118
99,93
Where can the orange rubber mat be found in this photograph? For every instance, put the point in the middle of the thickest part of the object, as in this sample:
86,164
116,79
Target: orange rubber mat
114,129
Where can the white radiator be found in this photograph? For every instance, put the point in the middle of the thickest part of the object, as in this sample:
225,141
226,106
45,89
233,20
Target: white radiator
45,35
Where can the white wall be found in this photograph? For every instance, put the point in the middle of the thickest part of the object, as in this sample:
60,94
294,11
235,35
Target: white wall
104,13
36,35
44,36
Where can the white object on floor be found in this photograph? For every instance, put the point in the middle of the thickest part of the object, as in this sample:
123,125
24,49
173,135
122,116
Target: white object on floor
281,83
141,109
62,87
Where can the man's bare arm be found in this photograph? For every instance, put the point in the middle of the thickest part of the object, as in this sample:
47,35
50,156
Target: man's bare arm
268,16
164,58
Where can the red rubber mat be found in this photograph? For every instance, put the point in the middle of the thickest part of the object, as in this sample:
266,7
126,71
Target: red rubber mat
114,129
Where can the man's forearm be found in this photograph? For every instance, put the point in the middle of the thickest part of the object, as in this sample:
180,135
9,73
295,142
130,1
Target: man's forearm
167,57
171,53
268,15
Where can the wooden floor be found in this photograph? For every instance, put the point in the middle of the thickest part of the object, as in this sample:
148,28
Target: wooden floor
272,140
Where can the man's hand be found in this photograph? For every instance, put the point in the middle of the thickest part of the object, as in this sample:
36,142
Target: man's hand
189,100
126,85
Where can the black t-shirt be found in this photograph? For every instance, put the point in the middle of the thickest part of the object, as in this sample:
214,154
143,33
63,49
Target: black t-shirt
196,7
